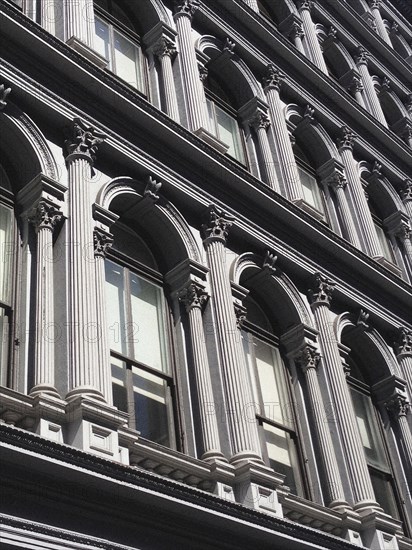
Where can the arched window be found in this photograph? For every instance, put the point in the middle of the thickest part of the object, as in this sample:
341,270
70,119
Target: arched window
7,268
139,334
222,118
371,432
271,390
116,40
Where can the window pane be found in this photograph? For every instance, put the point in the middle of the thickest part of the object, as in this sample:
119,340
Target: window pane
6,253
211,118
311,192
384,493
148,323
4,341
272,383
152,418
119,384
369,431
116,308
102,39
283,456
228,130
126,60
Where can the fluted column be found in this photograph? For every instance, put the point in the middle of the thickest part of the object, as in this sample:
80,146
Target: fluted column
102,241
345,145
361,59
183,13
48,16
80,21
194,296
320,296
404,235
403,350
398,407
334,494
271,85
165,50
44,218
380,27
304,7
85,378
334,178
406,196
260,123
252,4
238,396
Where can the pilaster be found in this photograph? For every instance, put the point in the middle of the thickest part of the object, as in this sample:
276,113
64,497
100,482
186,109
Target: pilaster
361,59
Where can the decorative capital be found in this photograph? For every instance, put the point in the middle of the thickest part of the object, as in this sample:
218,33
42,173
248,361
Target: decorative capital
44,216
304,4
217,225
185,7
363,319
321,290
398,405
408,104
296,30
308,358
332,33
228,47
163,47
259,120
336,181
269,262
406,190
394,28
273,77
346,139
355,85
193,295
102,241
83,140
403,342
377,170
361,55
4,92
375,4
403,231
152,189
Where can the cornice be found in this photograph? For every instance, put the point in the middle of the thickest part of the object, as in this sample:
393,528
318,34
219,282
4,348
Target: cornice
18,441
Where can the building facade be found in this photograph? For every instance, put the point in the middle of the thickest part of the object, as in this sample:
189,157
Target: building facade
205,274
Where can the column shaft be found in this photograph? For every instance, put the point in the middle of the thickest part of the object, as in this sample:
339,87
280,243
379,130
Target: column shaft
169,87
103,350
347,217
80,21
360,203
311,37
371,95
380,27
268,168
190,74
252,4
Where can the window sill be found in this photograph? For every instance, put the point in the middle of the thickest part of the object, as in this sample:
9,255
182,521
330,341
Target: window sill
211,140
310,210
87,52
388,264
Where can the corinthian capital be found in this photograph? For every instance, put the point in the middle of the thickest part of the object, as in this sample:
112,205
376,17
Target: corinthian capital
403,342
308,358
375,4
163,47
102,241
44,216
83,140
398,405
217,225
362,55
193,295
273,78
304,4
321,290
347,138
259,120
185,7
406,190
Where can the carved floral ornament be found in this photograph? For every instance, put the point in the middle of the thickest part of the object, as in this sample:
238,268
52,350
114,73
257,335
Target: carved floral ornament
83,140
164,47
4,92
102,241
185,7
217,225
259,120
308,358
406,191
363,319
362,55
398,405
240,314
336,181
305,4
403,343
273,77
321,290
347,138
44,216
269,262
193,295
